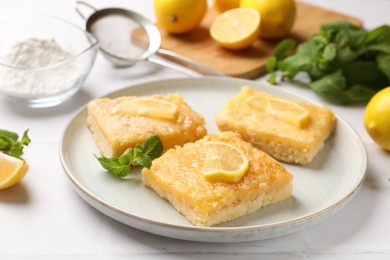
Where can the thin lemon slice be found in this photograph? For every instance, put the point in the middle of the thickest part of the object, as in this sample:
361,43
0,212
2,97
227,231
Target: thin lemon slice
236,28
12,170
282,109
224,163
148,107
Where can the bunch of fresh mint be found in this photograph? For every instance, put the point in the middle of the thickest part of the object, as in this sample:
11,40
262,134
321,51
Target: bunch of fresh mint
10,143
344,62
141,155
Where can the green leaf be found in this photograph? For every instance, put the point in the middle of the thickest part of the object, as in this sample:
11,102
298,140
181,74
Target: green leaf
352,37
331,85
292,65
25,139
364,73
139,155
380,34
153,147
143,160
5,142
383,62
329,52
126,157
10,144
357,94
271,66
12,135
283,48
114,166
344,55
16,150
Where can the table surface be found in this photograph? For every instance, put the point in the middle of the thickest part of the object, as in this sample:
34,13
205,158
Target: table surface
43,217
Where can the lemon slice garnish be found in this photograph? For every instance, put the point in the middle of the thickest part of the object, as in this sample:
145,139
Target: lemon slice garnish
12,170
224,163
236,28
148,107
283,109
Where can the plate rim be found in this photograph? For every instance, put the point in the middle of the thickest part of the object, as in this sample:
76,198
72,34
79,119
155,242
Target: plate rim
219,230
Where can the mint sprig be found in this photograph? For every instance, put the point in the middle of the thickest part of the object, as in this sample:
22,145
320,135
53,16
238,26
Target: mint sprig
345,63
10,143
140,155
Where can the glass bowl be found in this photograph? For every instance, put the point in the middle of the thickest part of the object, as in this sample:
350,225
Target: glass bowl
44,60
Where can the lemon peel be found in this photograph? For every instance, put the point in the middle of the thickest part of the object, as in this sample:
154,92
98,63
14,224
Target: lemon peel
277,16
377,119
285,110
224,163
12,170
148,107
236,28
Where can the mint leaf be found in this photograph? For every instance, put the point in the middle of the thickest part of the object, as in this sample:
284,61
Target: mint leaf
357,94
9,134
153,147
25,139
126,157
330,85
10,145
16,150
114,166
283,48
5,142
140,155
271,67
144,160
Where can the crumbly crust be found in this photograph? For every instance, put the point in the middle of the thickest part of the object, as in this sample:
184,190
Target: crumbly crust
280,139
177,177
114,133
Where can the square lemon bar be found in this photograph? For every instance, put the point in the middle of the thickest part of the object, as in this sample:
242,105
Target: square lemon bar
288,130
179,177
123,122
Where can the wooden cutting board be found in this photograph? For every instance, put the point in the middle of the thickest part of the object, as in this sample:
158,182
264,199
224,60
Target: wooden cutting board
249,63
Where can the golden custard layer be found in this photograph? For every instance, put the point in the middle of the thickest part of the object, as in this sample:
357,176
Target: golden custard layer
123,122
280,136
177,176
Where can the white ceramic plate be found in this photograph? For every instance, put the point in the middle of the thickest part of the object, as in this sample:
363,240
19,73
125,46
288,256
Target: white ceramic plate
321,188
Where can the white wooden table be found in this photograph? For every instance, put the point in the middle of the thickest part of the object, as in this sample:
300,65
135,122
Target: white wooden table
44,218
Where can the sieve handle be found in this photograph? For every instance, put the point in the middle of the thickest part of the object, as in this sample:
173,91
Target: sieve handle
187,63
78,4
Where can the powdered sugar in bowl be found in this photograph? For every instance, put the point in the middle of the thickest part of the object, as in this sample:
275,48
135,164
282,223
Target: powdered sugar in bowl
44,60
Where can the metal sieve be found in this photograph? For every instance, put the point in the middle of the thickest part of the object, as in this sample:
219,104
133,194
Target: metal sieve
126,37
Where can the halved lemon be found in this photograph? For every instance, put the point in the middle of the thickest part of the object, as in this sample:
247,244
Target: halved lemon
236,28
148,107
224,163
12,170
282,109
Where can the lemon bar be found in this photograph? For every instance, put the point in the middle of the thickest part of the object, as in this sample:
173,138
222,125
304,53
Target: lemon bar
178,177
288,130
123,122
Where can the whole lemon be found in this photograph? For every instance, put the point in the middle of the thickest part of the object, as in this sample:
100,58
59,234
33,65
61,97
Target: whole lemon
377,118
179,16
224,5
277,16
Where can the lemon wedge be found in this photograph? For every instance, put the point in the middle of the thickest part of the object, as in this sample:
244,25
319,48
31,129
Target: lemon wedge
224,163
148,107
12,170
283,109
236,28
